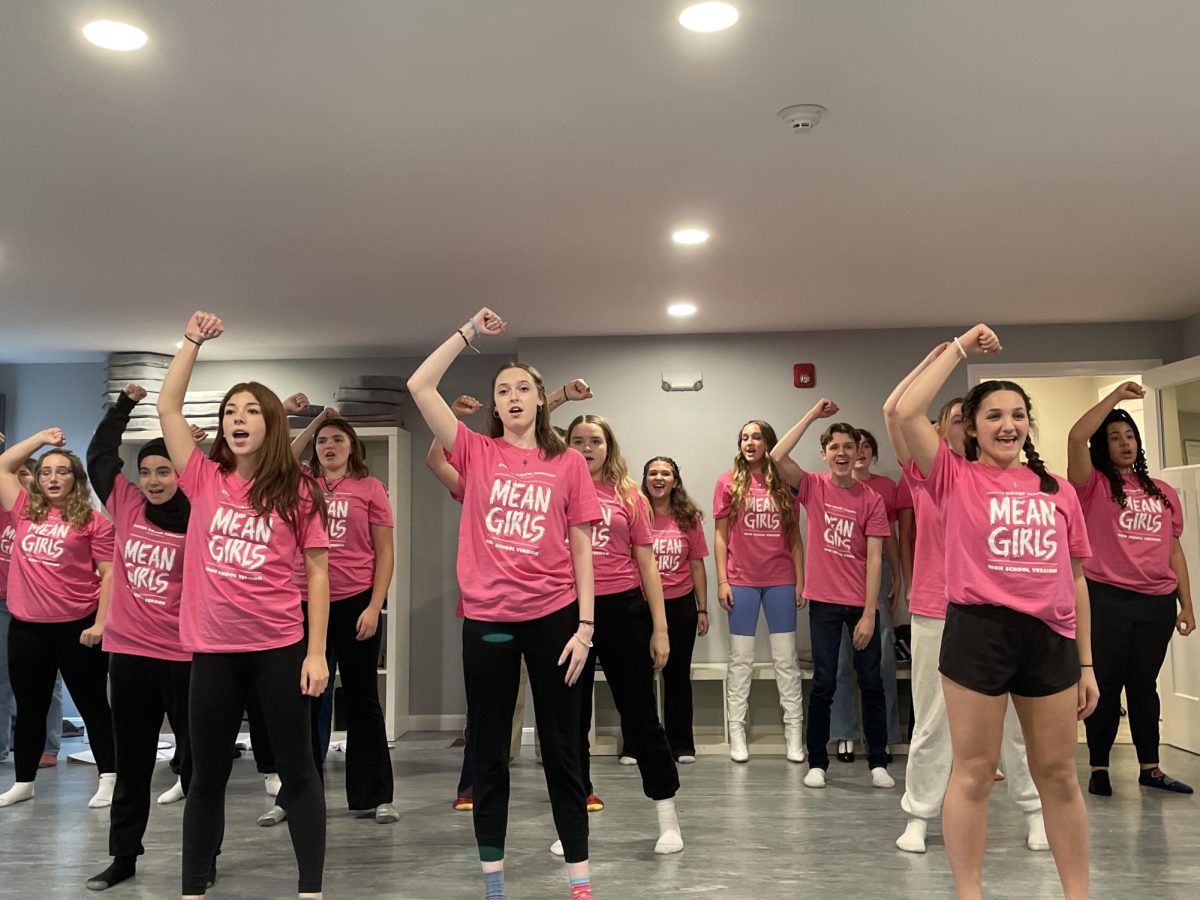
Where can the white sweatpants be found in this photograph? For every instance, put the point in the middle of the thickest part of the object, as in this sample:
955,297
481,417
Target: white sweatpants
929,753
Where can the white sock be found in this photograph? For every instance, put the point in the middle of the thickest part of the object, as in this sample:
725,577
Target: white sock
1035,836
815,778
103,795
273,784
881,779
670,839
557,849
173,794
913,839
22,790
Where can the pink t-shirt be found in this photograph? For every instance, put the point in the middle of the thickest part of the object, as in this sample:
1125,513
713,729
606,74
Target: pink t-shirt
674,550
514,561
887,489
354,504
904,497
53,575
1013,544
927,594
147,583
238,592
1131,546
613,539
840,519
760,552
7,534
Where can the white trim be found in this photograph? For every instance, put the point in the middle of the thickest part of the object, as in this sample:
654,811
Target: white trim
453,722
977,372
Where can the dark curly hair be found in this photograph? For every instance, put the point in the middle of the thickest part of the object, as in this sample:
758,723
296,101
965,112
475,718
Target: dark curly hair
1102,461
970,408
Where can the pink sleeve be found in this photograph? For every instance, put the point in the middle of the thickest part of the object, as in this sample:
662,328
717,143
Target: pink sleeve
1077,536
1176,509
379,507
722,497
103,537
904,498
19,506
312,534
1087,492
697,543
198,470
639,528
466,447
945,471
807,480
877,520
582,503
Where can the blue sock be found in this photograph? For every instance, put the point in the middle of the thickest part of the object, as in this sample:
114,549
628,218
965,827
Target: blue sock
493,886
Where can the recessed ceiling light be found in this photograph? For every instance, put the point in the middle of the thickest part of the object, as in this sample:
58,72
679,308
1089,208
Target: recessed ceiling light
709,17
690,236
681,310
115,35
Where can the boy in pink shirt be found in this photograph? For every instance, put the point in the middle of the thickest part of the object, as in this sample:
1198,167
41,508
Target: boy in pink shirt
846,527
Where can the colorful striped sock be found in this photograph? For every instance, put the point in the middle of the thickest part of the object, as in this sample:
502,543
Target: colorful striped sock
581,888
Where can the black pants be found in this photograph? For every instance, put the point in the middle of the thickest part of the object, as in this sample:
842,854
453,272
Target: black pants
677,674
260,740
622,647
368,763
221,683
492,654
37,651
826,621
143,690
1130,636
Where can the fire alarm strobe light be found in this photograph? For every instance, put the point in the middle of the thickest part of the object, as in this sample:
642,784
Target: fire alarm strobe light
801,117
804,375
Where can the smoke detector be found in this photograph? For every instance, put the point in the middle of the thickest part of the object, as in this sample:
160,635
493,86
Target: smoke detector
802,116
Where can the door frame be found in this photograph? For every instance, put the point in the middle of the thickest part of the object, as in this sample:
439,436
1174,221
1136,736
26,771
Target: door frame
977,372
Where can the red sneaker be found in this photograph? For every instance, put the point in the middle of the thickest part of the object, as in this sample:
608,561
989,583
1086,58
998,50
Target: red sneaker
463,804
594,803
48,761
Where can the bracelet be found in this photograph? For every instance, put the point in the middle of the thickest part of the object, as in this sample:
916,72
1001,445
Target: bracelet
719,583
192,339
1086,666
702,612
465,341
587,644
474,327
587,622
961,351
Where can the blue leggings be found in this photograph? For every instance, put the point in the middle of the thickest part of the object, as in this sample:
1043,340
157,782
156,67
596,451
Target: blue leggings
777,601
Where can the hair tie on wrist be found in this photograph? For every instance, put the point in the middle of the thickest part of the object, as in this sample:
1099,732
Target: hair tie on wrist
587,622
465,341
702,612
1086,666
192,339
961,351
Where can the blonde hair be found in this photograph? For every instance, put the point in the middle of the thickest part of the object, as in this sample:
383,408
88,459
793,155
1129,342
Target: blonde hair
776,486
616,471
79,510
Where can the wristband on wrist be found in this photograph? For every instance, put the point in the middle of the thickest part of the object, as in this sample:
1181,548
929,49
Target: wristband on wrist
474,328
192,339
587,622
702,612
959,347
467,342
1086,666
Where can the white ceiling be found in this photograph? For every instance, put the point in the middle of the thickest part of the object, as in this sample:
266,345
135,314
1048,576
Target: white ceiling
358,176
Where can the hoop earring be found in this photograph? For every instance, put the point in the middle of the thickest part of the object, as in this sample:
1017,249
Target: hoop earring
496,413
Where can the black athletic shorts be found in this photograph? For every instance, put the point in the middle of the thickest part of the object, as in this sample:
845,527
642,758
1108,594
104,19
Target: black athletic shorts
995,650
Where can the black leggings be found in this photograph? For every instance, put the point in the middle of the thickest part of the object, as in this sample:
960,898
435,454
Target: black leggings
36,652
622,646
368,763
221,683
1130,636
492,654
677,674
143,690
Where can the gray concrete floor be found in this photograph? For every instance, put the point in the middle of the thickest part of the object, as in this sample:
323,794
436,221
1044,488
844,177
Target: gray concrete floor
751,831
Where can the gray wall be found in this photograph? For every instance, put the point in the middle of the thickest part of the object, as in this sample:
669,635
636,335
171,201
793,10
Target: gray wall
745,375
1190,336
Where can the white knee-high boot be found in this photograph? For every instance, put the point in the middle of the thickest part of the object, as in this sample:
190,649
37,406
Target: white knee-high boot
791,695
737,693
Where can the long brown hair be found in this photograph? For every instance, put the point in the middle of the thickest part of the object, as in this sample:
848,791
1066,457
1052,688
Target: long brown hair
548,440
277,479
616,471
79,510
683,510
356,465
776,486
